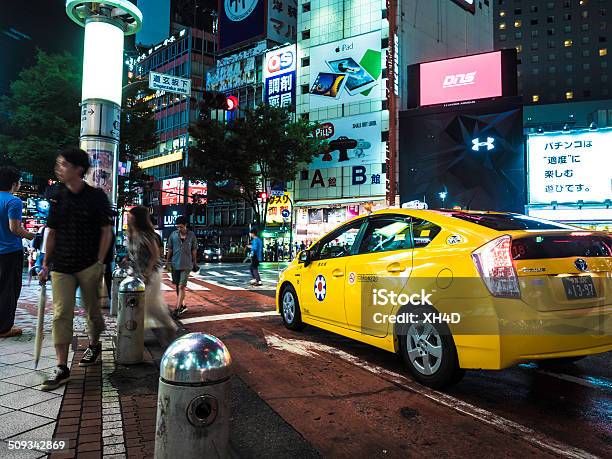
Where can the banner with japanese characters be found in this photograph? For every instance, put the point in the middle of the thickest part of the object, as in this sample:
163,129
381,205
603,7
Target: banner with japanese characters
170,83
279,77
282,21
571,167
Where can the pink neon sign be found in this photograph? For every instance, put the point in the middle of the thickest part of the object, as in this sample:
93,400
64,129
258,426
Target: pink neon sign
461,79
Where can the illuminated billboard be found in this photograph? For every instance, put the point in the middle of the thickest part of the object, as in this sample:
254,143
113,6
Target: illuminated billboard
473,157
279,77
240,21
346,71
462,79
350,141
570,167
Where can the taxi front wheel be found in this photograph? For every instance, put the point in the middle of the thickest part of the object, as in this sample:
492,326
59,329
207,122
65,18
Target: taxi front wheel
429,352
290,309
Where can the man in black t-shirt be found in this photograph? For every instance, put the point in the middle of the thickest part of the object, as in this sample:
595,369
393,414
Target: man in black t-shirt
80,234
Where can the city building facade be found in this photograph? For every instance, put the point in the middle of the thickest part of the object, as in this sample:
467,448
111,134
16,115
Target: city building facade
563,47
347,50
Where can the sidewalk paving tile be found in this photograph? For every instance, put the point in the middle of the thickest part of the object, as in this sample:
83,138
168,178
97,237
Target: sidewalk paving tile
49,409
8,371
34,378
13,359
4,409
6,453
44,433
16,422
7,387
25,397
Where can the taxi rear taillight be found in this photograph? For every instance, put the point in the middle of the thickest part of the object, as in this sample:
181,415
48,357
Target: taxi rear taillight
496,267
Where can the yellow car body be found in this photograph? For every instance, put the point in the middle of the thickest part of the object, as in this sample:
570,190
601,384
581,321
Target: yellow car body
493,332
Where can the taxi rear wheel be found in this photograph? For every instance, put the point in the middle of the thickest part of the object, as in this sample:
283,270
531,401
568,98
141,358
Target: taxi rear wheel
290,309
429,353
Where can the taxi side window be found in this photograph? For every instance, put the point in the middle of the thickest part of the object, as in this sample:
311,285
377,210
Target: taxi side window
339,243
384,235
423,232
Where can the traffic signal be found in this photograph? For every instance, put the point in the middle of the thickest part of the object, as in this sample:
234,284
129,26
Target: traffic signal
232,103
263,196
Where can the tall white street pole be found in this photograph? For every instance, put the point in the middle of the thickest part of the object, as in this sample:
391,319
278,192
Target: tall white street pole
106,22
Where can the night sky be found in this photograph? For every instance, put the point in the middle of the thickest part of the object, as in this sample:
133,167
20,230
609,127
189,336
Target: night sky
44,24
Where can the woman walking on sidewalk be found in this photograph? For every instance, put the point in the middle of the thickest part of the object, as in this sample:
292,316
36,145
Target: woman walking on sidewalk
144,255
256,257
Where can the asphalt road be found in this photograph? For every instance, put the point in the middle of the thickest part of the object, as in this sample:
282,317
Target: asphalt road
348,399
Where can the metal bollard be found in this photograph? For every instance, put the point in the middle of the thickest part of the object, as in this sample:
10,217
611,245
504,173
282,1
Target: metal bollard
130,321
118,275
193,407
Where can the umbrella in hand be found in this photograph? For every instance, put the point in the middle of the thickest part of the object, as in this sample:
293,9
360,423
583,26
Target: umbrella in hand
40,333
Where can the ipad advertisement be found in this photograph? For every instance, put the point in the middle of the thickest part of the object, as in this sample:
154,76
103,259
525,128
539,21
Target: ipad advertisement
346,71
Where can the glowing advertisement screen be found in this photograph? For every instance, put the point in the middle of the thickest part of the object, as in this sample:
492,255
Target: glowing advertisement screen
346,71
461,79
571,167
473,158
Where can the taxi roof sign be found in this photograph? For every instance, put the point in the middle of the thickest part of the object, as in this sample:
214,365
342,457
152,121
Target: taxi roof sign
416,204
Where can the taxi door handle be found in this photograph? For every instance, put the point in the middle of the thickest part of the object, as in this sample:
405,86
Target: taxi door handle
337,273
395,268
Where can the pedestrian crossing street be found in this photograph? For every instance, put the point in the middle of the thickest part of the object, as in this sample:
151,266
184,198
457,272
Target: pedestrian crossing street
232,278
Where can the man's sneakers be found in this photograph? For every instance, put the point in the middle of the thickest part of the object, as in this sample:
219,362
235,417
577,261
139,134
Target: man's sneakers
255,283
182,309
13,331
61,375
91,355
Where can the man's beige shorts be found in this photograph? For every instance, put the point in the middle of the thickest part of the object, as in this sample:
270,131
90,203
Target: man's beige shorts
64,300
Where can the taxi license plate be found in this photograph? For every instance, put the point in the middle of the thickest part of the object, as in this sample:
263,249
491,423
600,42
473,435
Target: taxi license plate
579,287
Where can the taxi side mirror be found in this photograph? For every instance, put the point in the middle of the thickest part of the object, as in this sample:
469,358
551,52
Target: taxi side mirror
304,257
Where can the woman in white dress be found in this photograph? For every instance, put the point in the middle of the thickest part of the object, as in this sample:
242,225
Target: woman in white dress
145,261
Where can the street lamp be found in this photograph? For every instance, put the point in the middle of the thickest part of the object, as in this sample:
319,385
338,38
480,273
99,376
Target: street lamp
106,22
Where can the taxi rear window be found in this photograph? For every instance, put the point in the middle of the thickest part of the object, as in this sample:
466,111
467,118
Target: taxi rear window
509,222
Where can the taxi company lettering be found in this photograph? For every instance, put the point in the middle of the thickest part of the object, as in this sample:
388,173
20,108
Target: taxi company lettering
460,79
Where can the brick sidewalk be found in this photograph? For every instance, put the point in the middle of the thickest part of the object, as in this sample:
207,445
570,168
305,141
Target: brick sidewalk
105,411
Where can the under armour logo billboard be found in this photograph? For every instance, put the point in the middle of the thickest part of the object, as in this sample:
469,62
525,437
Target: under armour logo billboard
459,79
489,143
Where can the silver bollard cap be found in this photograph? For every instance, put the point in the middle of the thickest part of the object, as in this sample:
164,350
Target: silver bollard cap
132,284
119,272
196,358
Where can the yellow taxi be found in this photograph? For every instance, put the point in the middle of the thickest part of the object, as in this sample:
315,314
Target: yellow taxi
451,290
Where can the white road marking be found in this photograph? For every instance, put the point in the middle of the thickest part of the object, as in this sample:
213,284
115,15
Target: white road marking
219,284
595,383
311,349
196,287
237,315
237,273
214,273
166,288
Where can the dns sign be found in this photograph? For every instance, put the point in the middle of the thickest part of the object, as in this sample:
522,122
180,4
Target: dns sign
281,61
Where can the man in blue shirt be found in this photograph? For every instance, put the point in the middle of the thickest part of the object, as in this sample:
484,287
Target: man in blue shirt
11,250
256,257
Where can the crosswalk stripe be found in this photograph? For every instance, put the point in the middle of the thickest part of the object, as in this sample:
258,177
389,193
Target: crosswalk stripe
196,287
214,273
237,273
238,315
218,284
166,288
